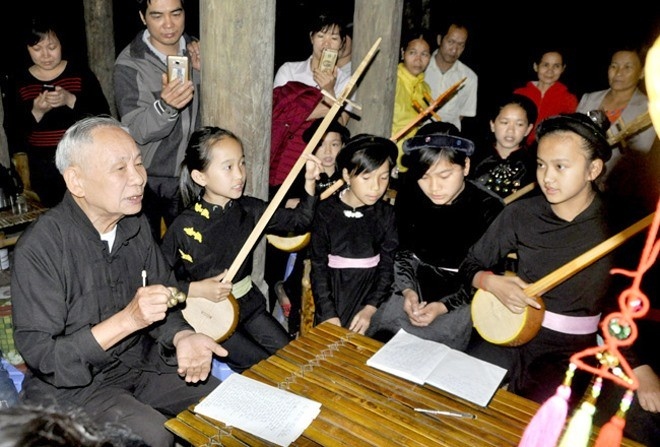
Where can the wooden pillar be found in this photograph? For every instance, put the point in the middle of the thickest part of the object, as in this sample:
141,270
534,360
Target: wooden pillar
238,49
375,93
101,45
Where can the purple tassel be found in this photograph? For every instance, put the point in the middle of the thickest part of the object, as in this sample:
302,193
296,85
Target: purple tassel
546,425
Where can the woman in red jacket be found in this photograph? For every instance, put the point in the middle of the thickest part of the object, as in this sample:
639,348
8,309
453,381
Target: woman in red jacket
550,95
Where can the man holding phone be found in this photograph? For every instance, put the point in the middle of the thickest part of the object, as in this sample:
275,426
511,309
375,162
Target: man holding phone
160,113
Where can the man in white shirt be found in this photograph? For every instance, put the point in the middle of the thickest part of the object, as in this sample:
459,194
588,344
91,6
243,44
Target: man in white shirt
445,70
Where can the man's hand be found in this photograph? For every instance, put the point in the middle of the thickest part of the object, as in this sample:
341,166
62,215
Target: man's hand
148,306
194,354
194,51
178,93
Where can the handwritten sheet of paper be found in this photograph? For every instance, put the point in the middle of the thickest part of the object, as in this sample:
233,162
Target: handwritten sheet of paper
273,414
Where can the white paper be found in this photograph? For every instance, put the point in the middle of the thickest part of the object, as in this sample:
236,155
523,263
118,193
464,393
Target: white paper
275,415
409,357
428,362
467,377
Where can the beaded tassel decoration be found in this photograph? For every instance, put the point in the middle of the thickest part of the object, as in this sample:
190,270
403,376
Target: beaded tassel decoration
612,433
546,426
618,329
579,428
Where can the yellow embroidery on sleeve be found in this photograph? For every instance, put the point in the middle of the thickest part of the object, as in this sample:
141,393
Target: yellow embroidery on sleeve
196,235
185,256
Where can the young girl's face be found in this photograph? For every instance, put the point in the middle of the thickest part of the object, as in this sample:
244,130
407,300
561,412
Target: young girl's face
224,178
444,181
550,68
510,127
564,172
367,188
328,150
416,56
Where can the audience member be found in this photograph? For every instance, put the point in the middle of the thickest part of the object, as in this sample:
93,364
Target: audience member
411,89
204,240
92,334
439,216
508,164
354,237
643,417
297,102
446,69
51,95
549,94
160,114
547,231
622,102
289,291
297,97
346,52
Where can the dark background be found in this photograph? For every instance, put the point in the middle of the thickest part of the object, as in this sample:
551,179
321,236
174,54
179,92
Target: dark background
502,44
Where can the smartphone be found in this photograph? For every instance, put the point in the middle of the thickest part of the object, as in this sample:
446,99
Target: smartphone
48,88
178,67
328,60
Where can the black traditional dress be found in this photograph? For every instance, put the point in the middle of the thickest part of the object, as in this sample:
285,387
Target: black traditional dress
434,240
352,254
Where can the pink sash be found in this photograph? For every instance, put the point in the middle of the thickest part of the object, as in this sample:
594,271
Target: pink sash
571,325
339,262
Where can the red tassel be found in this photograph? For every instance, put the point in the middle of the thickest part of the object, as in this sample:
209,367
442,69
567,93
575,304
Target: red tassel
611,434
546,425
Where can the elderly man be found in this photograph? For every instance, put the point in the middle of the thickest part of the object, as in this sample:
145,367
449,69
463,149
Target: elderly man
93,331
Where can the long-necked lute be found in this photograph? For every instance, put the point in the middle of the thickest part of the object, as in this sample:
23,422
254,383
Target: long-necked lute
219,320
498,325
295,243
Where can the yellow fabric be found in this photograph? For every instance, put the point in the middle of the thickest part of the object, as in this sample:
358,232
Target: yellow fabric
408,88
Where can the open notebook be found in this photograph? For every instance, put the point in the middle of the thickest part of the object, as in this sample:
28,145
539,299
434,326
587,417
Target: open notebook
432,363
